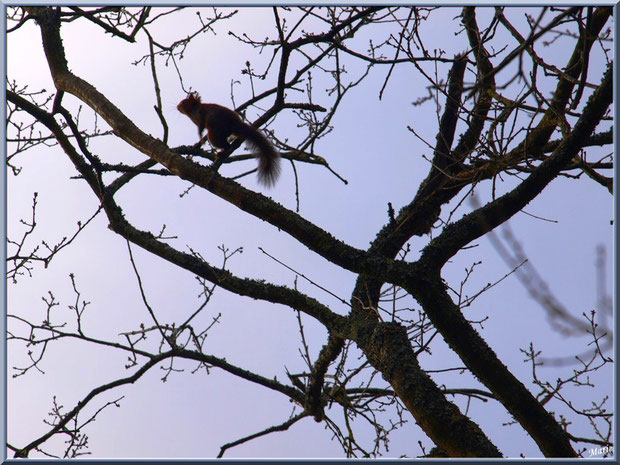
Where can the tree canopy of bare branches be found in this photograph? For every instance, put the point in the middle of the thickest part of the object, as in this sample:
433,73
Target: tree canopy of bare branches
498,107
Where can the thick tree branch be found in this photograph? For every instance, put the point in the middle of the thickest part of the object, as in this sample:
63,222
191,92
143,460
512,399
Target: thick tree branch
389,350
146,240
387,345
448,319
484,363
483,220
304,231
254,203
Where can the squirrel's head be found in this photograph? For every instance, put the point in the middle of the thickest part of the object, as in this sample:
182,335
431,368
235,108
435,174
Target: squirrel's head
188,104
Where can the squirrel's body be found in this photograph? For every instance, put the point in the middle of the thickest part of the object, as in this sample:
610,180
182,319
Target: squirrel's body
221,122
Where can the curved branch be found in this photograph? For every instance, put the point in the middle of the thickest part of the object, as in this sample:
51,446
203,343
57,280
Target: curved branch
304,231
24,451
290,392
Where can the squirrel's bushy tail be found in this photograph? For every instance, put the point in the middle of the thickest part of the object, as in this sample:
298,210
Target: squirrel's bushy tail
268,156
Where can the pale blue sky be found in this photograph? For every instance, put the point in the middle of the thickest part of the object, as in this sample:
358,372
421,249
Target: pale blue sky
370,146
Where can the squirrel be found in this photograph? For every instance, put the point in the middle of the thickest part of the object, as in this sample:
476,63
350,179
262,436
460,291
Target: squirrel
220,123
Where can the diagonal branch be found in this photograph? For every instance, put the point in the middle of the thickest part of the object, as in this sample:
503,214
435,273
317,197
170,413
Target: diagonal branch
146,240
388,348
483,220
24,451
272,429
289,391
447,318
329,353
251,202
